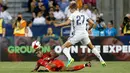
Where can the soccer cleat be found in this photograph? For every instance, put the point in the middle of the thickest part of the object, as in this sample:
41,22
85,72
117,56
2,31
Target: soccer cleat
103,64
70,62
88,64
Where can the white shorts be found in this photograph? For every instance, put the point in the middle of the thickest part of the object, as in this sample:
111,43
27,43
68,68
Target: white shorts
82,37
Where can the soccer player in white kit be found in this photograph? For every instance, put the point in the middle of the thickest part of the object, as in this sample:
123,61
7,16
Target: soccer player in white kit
78,33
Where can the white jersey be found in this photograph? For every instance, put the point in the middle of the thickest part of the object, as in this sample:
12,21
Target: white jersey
78,22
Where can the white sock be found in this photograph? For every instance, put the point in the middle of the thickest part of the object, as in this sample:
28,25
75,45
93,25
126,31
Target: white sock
66,51
95,51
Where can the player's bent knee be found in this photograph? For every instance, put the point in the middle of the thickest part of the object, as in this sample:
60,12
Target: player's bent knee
90,45
67,44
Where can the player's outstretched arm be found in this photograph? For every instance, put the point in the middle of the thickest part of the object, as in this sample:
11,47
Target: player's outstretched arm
91,23
36,68
63,24
53,54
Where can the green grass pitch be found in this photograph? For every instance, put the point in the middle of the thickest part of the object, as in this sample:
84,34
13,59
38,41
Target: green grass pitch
26,67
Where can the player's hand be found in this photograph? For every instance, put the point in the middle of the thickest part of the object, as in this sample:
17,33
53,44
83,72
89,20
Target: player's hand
33,71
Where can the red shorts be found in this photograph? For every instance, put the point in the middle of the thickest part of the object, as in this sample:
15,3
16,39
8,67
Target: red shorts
59,65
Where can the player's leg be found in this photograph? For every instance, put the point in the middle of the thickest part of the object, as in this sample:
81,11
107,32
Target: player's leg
86,41
95,51
55,65
82,66
66,50
77,67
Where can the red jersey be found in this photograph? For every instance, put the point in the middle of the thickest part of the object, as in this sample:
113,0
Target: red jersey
59,64
43,62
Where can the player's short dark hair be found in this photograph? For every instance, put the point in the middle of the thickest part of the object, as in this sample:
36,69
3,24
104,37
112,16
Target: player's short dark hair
73,6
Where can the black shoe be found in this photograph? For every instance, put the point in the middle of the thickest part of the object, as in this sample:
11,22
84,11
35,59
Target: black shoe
88,64
43,71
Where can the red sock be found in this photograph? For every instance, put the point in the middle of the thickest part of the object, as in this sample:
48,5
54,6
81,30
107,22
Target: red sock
79,67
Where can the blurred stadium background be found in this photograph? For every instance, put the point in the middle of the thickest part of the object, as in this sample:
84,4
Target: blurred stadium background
107,10
37,18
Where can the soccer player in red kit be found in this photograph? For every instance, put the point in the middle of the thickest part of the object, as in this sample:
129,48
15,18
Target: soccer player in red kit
49,61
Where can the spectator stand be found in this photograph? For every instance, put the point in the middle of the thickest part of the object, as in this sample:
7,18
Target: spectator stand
65,31
38,30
